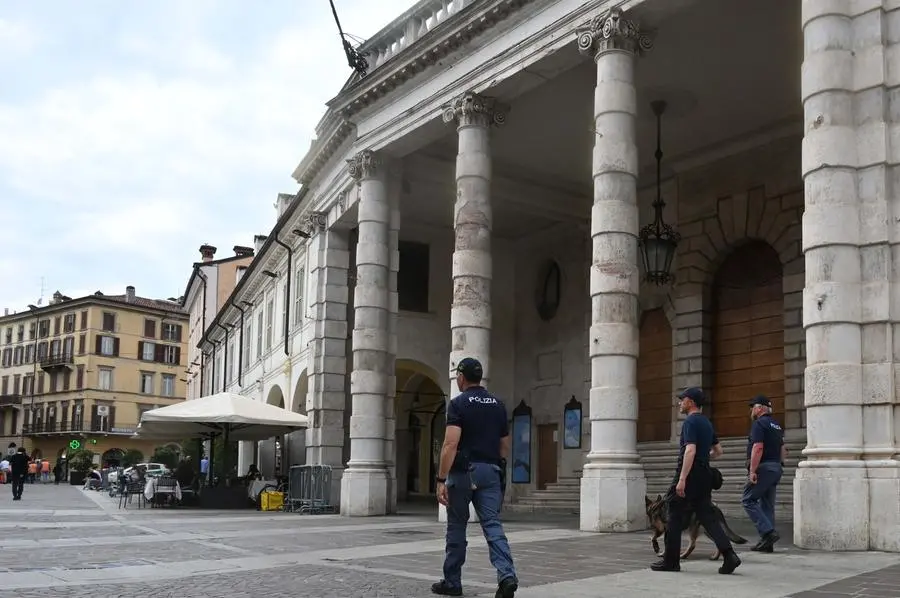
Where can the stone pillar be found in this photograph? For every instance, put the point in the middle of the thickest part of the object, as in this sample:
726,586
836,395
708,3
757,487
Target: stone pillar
325,402
395,189
845,492
470,312
613,484
364,489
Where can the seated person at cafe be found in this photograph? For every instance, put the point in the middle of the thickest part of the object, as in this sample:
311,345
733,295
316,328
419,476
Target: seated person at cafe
253,473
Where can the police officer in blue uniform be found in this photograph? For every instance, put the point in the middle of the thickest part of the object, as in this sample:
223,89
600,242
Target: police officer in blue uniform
693,486
765,457
473,470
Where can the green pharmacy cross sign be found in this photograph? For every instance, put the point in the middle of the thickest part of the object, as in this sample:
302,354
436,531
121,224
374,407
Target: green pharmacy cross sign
74,444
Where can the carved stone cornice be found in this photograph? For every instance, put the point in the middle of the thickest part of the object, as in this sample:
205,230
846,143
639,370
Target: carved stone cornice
315,222
475,109
364,165
613,32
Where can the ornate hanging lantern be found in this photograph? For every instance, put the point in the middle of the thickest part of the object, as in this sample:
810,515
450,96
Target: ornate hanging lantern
658,240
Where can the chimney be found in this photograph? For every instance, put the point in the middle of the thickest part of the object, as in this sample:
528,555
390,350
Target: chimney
239,274
258,242
242,251
283,201
208,252
129,294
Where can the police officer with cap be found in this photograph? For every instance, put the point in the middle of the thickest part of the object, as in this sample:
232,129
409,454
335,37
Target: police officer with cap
693,485
472,470
765,457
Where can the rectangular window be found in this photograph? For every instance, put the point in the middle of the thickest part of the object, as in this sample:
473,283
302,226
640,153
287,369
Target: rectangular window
107,346
146,383
31,331
55,348
168,385
40,384
259,335
56,322
44,328
298,297
20,333
248,335
147,351
69,324
412,276
42,351
69,346
84,316
79,377
109,322
29,354
232,357
82,341
4,385
105,378
285,301
18,354
270,315
150,328
28,384
17,384
171,332
171,355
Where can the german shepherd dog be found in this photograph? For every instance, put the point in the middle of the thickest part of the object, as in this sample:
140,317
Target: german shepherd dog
658,513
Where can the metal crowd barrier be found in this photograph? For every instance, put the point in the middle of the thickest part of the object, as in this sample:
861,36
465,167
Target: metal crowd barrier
309,490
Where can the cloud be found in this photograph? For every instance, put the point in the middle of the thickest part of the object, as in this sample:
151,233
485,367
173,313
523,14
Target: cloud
16,39
131,149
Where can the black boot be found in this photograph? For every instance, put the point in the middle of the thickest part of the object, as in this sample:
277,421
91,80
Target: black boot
663,565
507,588
443,588
730,562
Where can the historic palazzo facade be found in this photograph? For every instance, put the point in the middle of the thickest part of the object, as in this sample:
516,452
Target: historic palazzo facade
481,190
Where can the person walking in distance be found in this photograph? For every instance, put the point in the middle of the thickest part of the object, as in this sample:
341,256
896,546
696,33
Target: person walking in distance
692,490
765,458
18,464
472,470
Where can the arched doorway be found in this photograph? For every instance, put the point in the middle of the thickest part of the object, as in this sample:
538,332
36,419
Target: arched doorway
295,442
748,336
113,457
418,396
654,378
270,456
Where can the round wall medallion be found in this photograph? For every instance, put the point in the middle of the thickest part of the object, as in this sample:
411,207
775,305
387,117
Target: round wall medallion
548,290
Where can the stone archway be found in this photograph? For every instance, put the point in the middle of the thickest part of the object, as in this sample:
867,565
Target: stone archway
270,456
112,457
748,336
419,395
295,443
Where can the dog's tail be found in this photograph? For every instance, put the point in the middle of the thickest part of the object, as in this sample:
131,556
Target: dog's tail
734,537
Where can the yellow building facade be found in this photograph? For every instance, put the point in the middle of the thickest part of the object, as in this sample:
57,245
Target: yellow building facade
80,372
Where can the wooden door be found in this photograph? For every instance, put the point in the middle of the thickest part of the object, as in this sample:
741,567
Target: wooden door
748,337
547,455
654,378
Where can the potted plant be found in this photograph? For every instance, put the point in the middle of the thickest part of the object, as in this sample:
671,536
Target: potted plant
79,465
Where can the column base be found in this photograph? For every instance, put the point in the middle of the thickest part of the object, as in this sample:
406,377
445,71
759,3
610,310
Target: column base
884,507
612,500
364,492
831,506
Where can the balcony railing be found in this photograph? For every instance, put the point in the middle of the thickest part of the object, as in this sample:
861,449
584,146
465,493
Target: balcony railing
78,428
57,361
10,399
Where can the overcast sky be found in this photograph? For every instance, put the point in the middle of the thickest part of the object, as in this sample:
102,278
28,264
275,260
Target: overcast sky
133,132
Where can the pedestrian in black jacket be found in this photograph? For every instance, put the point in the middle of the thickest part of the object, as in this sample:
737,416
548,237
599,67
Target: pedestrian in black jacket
18,465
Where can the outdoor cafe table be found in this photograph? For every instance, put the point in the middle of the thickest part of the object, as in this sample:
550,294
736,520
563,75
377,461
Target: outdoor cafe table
151,489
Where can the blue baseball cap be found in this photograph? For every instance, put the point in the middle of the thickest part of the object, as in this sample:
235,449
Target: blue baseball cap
695,394
762,400
471,369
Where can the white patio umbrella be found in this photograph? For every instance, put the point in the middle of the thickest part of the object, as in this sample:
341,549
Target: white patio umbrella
236,416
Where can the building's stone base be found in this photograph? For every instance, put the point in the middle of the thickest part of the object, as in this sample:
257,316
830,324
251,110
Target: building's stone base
612,500
884,507
831,507
364,492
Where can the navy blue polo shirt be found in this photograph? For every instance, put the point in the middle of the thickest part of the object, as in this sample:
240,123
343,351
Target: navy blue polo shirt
482,418
698,430
766,430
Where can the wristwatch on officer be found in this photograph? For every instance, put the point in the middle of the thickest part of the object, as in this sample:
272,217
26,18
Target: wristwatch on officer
440,480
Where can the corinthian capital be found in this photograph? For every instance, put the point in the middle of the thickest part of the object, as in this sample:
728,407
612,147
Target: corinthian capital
363,165
474,109
612,31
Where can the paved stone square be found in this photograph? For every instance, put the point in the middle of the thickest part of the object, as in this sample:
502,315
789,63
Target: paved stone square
62,542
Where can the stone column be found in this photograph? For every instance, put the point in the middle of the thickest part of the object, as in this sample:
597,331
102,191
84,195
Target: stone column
395,189
613,484
845,492
325,402
470,312
364,488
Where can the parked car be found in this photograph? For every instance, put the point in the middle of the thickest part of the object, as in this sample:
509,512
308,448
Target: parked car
149,469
